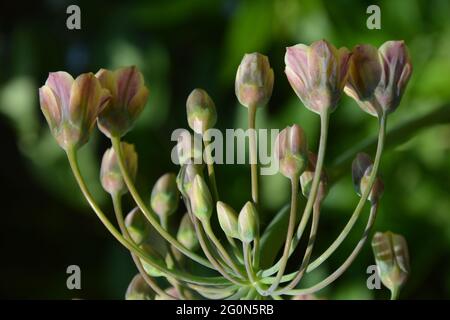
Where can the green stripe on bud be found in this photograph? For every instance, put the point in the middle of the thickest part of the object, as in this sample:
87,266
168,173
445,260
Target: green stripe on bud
228,220
201,200
186,233
150,270
165,196
248,223
392,258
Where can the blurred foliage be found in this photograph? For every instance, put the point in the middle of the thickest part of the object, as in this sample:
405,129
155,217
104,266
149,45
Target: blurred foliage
181,45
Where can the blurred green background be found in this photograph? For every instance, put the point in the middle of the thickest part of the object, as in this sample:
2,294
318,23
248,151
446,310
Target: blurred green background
179,45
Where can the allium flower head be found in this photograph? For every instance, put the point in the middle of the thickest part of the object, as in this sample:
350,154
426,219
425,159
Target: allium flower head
378,77
71,106
128,98
317,73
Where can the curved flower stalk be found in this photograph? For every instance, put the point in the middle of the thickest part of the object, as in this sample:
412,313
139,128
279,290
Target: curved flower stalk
318,74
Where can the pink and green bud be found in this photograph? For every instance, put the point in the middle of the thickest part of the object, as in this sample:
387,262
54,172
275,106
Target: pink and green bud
254,80
165,196
138,289
155,256
248,223
291,151
110,174
186,177
228,219
71,106
186,234
361,171
128,98
137,226
317,73
392,258
307,178
378,77
201,200
201,111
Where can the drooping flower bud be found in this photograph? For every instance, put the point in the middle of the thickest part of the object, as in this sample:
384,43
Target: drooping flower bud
189,148
392,258
254,80
165,195
378,78
129,97
71,106
228,220
291,151
317,73
307,177
248,223
201,200
137,226
138,289
186,177
361,171
201,111
186,233
149,269
110,174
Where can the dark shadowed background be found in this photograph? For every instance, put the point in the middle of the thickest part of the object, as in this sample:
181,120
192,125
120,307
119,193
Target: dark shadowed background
179,45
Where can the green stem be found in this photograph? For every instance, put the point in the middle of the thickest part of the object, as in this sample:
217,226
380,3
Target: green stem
221,249
361,203
308,252
395,293
117,204
324,123
336,274
253,154
72,157
211,172
146,211
289,235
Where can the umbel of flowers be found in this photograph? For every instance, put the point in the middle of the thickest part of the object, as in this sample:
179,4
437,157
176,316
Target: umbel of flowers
319,74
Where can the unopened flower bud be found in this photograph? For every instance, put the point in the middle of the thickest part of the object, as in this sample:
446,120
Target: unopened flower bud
129,97
291,151
138,289
71,106
137,226
110,174
361,171
201,111
392,258
165,195
378,78
201,200
307,177
248,223
254,80
186,233
186,177
228,220
317,73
